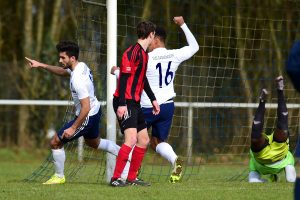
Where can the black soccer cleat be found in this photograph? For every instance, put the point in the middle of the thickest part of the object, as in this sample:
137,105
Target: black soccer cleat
279,81
263,95
138,182
117,182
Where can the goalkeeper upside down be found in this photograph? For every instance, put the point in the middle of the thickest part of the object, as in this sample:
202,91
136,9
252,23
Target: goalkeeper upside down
269,154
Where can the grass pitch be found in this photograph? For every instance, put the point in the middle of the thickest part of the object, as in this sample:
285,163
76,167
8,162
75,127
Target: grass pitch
209,186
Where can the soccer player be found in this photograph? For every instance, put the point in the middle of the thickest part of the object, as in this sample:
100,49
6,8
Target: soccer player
162,66
269,154
88,111
127,106
293,70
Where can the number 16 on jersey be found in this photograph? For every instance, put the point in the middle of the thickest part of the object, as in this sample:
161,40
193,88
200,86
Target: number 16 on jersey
169,75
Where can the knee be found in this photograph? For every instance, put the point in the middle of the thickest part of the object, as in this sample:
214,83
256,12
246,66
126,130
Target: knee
280,135
131,141
93,144
257,141
144,140
258,144
55,143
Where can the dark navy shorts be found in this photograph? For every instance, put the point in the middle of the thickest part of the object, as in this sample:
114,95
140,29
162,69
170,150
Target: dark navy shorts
161,123
89,129
135,117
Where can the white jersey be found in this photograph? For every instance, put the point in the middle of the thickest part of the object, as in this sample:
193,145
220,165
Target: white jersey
82,86
162,66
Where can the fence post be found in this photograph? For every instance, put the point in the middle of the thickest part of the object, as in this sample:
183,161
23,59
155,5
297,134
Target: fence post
190,134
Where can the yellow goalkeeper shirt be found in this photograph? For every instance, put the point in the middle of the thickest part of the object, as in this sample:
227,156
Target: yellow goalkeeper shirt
273,152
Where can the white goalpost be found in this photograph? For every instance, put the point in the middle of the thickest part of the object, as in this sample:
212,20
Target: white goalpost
111,81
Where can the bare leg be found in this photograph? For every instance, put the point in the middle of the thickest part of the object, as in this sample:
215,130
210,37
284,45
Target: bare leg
103,144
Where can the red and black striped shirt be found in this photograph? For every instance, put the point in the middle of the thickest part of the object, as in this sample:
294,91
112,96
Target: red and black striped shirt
134,65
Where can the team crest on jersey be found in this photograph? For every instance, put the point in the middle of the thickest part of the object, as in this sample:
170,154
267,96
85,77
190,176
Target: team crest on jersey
128,69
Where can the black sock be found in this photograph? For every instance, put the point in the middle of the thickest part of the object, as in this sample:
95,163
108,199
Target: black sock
258,122
282,121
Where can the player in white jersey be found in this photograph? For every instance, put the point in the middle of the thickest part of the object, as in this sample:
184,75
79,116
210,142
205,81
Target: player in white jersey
88,111
162,66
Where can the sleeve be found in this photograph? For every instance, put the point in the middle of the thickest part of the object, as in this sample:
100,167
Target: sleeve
123,83
186,52
127,63
80,88
148,90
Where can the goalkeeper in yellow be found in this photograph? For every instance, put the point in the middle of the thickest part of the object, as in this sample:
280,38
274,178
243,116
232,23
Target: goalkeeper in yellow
269,154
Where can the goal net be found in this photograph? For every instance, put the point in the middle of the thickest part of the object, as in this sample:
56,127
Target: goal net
243,48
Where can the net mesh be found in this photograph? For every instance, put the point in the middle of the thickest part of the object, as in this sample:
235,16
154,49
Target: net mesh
242,49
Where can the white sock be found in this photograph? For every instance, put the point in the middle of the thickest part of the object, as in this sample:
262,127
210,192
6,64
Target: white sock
59,158
167,152
290,173
254,177
126,168
109,146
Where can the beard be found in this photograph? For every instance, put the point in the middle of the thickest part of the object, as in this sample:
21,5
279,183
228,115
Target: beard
67,66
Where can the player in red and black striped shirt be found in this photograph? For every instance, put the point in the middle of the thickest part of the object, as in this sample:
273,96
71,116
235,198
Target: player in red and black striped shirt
126,103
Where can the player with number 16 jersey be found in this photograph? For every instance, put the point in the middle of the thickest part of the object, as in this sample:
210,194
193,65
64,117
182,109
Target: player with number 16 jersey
162,66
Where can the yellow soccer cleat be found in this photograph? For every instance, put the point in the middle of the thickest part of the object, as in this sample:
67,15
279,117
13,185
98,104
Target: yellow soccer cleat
177,171
55,180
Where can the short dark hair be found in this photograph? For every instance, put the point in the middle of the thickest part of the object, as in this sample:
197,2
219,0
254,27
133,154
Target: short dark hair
71,48
144,29
161,33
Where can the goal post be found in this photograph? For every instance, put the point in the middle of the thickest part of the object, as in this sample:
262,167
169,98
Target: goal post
111,81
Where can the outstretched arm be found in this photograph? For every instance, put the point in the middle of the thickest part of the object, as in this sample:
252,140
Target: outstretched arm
193,46
53,69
